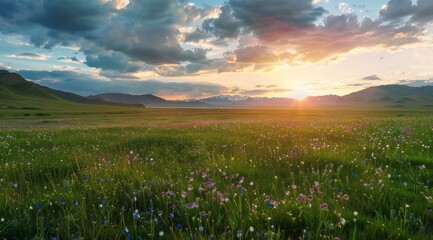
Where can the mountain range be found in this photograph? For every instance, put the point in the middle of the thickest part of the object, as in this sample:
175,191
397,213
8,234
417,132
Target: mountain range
15,91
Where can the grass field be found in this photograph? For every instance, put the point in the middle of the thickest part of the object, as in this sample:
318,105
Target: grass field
125,173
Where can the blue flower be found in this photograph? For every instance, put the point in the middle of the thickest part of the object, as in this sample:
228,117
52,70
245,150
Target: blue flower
102,201
135,215
171,215
85,177
75,202
99,180
14,185
62,200
37,207
179,226
125,230
94,218
53,238
429,208
270,205
104,222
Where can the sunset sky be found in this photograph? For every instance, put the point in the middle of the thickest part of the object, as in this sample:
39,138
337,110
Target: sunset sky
192,49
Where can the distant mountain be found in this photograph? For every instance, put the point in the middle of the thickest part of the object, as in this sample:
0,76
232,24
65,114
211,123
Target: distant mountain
391,95
224,99
147,100
16,91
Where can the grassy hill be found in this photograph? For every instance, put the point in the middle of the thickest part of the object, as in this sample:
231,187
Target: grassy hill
21,97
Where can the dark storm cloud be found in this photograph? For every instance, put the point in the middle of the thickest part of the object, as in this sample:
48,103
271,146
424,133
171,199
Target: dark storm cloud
372,78
265,17
85,84
225,26
107,60
71,15
197,36
396,9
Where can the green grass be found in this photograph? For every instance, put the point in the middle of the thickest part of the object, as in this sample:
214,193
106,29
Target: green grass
221,174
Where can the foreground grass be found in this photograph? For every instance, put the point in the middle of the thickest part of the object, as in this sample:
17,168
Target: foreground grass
282,175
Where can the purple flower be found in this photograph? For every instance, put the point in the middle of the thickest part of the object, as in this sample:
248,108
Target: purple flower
14,185
75,202
179,226
37,207
324,206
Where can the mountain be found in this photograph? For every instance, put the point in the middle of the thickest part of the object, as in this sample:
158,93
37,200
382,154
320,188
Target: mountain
391,95
147,100
224,100
16,92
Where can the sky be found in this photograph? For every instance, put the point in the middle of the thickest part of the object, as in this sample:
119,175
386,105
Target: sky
194,49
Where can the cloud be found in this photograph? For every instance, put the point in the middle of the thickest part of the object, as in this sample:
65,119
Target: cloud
372,78
32,56
225,26
69,59
87,84
121,36
396,9
345,7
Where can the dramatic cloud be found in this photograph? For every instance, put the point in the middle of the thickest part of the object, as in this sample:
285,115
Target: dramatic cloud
86,84
372,78
173,38
33,56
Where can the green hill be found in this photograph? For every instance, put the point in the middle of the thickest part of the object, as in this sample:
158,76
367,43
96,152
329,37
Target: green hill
18,94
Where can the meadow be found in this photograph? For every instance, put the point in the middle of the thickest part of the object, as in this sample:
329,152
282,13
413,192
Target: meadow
217,174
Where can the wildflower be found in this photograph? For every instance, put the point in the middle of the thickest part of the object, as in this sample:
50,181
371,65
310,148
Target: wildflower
190,187
239,233
75,202
429,208
301,197
355,213
102,201
405,184
62,200
2,220
135,215
53,238
171,215
342,221
179,226
14,185
125,230
251,229
104,222
161,233
85,177
201,228
324,206
37,207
